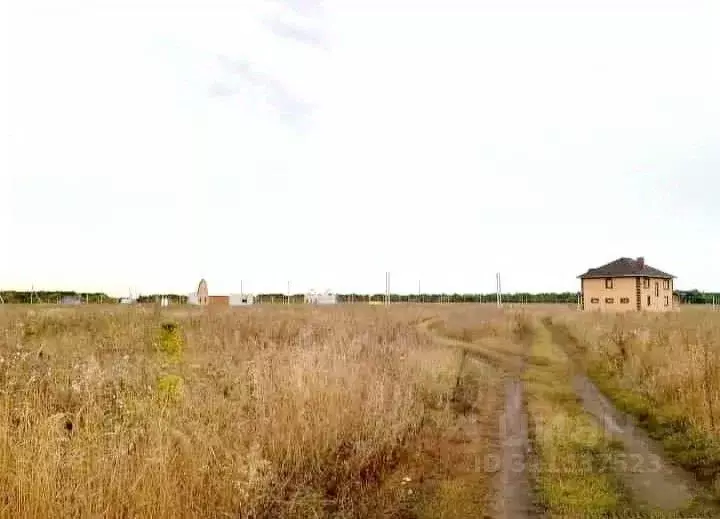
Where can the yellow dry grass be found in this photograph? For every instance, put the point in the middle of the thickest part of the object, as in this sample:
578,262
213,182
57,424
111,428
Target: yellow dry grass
673,358
258,412
665,370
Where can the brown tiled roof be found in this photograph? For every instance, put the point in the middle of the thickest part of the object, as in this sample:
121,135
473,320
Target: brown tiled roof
625,267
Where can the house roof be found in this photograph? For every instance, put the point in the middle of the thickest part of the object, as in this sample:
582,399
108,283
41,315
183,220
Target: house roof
625,267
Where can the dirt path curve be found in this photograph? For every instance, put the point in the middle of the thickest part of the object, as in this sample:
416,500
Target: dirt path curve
645,471
513,490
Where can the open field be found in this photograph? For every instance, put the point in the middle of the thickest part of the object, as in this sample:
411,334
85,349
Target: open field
664,371
408,411
263,412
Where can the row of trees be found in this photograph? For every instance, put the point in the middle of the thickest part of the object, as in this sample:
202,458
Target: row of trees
53,297
523,297
695,297
56,297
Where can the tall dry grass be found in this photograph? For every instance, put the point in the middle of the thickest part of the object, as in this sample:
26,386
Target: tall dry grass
665,370
261,412
671,358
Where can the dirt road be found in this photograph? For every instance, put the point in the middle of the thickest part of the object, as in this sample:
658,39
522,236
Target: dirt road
653,482
514,496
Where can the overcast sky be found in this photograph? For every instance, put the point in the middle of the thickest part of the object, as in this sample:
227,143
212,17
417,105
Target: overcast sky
148,143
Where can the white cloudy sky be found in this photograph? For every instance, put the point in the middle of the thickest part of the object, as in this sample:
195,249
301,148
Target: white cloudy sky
147,143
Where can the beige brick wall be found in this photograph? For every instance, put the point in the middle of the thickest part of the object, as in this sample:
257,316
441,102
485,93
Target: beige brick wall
622,296
656,299
599,298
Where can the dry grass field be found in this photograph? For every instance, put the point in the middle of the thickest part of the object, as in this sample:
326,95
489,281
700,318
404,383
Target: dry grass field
258,412
348,411
663,369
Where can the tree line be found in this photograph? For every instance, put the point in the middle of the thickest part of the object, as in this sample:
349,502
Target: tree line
58,297
696,297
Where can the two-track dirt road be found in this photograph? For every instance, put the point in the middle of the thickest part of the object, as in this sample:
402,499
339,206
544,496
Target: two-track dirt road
656,487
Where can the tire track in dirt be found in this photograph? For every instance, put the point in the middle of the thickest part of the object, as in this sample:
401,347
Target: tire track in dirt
514,496
651,479
516,502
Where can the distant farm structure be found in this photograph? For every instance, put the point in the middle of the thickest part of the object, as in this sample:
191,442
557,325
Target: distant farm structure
202,297
241,299
324,298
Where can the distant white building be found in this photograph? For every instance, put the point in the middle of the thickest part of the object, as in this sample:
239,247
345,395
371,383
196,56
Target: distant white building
241,299
318,298
131,299
200,296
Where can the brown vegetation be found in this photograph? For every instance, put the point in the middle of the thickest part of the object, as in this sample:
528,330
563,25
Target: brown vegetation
347,411
663,369
259,412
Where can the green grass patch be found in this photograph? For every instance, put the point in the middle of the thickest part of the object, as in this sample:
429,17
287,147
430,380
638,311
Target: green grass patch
573,459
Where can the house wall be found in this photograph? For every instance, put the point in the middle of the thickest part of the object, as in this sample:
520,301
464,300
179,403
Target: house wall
202,293
218,300
241,299
625,288
657,302
594,289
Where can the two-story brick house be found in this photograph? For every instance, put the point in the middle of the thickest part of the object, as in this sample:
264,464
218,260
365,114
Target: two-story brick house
627,284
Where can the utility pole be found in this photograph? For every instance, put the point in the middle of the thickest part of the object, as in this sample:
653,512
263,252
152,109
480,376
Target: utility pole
499,291
385,296
389,290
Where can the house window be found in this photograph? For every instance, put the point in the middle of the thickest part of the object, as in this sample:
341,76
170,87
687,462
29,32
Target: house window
608,283
657,289
646,282
609,300
666,284
624,300
648,300
667,300
595,300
